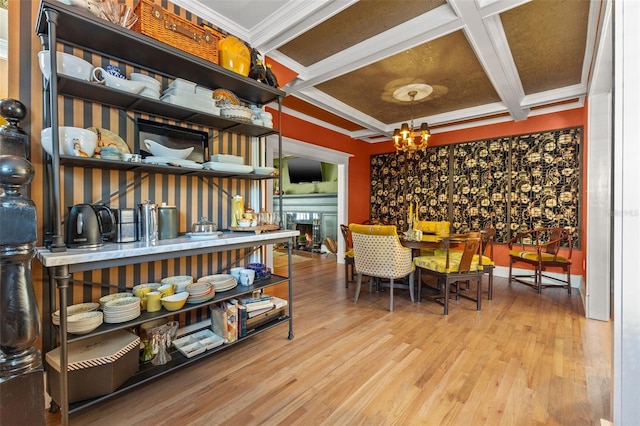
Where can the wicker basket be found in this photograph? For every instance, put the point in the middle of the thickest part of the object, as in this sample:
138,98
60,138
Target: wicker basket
162,25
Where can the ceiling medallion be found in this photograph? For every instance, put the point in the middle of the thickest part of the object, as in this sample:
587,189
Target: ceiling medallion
407,137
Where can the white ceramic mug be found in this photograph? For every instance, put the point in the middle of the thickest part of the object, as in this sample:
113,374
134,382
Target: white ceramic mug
114,82
235,272
247,276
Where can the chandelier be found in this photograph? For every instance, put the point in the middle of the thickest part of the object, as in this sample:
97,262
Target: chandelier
407,137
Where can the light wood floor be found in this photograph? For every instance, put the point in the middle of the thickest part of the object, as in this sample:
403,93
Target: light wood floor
525,359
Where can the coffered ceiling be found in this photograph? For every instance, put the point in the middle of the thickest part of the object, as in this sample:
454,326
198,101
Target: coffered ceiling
487,60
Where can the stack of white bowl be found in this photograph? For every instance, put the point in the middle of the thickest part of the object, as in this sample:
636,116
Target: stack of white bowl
75,309
109,297
121,309
187,94
152,86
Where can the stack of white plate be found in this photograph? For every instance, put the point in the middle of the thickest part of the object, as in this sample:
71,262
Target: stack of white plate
227,167
109,297
227,158
220,282
75,309
200,292
121,309
84,322
166,161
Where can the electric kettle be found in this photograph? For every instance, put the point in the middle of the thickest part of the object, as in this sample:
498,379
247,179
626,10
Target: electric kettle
88,226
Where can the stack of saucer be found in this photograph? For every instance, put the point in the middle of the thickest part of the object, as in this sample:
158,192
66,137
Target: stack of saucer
200,292
152,87
84,322
121,310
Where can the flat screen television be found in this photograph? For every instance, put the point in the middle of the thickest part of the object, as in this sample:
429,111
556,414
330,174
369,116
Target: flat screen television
303,170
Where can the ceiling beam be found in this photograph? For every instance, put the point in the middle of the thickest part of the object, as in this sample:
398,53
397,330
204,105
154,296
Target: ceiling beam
486,36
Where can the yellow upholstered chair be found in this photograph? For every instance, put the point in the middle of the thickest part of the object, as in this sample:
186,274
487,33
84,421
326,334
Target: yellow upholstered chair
450,267
541,249
349,265
432,230
378,253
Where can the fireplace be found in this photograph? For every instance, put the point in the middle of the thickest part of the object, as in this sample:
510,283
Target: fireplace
310,227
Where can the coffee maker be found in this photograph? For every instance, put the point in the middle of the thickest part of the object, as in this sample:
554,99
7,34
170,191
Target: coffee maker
126,225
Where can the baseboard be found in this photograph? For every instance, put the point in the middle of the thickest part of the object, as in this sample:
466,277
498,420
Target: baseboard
503,271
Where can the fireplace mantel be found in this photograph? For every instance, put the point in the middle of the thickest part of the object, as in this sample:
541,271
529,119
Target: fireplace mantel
323,207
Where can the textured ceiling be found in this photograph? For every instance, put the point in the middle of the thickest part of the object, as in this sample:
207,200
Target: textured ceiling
487,60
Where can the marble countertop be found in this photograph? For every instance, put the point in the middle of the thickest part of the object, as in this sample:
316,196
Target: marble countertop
115,254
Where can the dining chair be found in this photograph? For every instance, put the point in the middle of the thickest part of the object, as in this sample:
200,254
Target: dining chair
450,268
486,249
540,248
349,264
378,253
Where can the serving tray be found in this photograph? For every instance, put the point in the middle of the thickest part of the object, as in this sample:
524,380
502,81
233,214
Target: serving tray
257,229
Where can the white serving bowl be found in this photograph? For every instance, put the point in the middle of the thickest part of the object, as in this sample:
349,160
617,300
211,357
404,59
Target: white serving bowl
162,151
236,112
179,281
67,64
69,137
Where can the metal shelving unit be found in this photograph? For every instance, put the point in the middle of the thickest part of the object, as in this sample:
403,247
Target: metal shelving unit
72,26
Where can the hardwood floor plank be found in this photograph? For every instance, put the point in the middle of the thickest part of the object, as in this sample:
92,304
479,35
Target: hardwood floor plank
525,359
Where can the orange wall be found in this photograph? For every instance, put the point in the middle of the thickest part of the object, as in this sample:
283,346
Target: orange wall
358,202
359,170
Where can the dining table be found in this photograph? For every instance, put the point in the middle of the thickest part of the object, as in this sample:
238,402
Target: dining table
431,242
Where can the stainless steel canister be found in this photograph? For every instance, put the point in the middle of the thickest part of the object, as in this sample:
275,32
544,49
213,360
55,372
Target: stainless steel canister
148,222
167,222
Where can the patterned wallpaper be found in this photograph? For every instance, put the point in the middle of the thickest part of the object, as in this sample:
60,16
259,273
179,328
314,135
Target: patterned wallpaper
512,183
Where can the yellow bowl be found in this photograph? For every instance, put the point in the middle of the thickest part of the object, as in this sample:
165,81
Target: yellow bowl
175,301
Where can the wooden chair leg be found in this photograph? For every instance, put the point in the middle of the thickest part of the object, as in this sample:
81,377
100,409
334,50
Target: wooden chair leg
479,293
569,280
490,288
446,297
358,284
411,284
346,274
391,295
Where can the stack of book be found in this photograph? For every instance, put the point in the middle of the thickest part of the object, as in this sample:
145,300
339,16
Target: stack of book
254,312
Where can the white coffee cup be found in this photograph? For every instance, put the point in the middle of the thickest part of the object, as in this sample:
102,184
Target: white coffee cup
247,276
235,272
114,82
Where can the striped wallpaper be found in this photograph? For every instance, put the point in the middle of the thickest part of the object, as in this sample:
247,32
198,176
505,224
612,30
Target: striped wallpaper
194,197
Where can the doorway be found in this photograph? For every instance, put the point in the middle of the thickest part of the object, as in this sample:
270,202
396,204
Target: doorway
307,150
